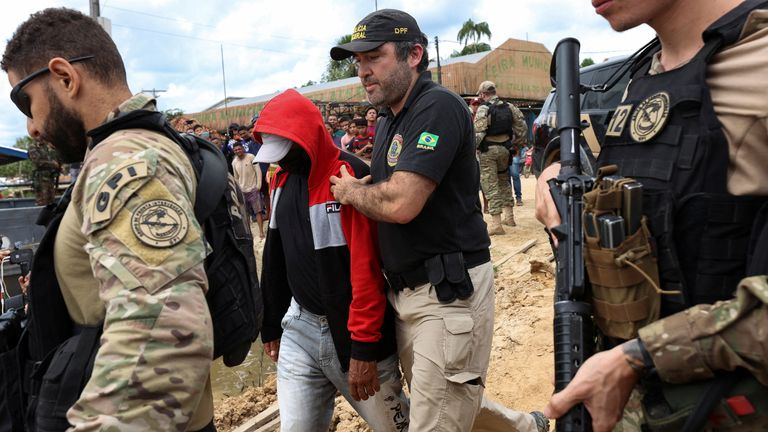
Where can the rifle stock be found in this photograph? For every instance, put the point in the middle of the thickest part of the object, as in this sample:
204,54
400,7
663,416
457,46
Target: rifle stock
574,340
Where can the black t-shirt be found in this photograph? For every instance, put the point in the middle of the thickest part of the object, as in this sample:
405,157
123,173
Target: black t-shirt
298,245
432,136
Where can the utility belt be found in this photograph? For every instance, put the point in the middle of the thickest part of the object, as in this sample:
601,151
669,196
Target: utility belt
448,273
484,144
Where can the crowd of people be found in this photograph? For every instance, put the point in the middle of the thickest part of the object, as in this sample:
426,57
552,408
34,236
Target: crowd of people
376,255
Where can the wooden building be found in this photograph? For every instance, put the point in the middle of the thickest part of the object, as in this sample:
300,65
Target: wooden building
519,68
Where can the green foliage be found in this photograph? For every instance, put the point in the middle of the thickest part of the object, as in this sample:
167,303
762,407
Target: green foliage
173,113
21,169
471,49
308,83
587,62
472,31
341,69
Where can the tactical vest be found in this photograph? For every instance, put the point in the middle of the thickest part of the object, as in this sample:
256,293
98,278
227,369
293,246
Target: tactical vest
666,135
54,358
499,119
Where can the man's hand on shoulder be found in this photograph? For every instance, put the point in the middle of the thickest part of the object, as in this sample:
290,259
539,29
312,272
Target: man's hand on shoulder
343,187
363,379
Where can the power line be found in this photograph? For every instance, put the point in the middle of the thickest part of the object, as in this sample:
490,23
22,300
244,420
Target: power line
605,52
208,40
198,24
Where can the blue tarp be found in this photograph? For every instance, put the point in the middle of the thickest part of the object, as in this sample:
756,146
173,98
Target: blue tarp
9,155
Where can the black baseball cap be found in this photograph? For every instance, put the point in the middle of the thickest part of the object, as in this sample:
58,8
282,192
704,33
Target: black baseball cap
378,28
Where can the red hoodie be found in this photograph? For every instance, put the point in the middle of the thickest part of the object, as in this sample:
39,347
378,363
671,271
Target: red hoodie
346,250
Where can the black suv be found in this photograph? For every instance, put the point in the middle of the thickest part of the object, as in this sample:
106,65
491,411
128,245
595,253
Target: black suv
596,111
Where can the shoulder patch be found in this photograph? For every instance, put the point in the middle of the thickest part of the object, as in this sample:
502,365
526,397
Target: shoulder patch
395,147
427,141
160,223
122,175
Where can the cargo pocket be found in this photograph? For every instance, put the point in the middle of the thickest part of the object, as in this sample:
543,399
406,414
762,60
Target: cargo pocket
458,348
619,257
625,284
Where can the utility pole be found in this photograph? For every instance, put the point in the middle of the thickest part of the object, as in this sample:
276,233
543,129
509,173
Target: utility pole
439,69
154,92
105,23
224,80
376,4
95,9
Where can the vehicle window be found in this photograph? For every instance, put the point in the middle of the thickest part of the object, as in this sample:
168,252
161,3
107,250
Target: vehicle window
586,77
611,98
553,104
594,100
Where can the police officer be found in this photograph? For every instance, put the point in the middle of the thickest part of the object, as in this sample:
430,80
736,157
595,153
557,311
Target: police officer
127,253
432,239
46,171
498,127
690,131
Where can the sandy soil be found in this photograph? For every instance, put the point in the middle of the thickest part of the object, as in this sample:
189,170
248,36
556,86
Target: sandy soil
520,374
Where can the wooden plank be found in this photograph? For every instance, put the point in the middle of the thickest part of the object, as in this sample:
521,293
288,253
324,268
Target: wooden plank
273,426
524,248
264,418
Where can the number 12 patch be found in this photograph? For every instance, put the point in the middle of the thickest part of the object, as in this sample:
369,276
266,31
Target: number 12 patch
619,119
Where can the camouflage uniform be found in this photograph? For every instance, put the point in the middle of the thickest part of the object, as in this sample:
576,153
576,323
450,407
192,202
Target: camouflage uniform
45,175
495,162
130,252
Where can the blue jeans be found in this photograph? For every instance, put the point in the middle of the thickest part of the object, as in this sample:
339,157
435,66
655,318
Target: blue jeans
514,173
309,373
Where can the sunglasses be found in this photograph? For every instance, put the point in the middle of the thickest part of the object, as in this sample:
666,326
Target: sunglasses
21,99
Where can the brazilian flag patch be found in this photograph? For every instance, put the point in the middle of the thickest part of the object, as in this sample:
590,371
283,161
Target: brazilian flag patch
427,141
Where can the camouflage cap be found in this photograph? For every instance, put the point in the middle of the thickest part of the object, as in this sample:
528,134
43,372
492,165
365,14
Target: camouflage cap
487,87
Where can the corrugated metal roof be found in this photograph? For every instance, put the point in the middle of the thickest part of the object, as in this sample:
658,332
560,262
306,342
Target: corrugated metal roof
10,154
471,58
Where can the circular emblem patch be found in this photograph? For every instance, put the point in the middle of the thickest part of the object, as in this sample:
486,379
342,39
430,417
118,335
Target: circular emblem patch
160,223
650,117
395,147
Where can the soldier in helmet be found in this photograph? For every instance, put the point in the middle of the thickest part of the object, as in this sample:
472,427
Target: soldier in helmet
499,127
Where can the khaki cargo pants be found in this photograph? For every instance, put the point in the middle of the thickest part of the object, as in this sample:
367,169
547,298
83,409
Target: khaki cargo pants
444,352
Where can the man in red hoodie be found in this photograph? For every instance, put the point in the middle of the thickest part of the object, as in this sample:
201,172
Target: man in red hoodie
326,319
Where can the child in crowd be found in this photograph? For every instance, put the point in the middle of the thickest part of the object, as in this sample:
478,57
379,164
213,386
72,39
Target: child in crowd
362,144
350,132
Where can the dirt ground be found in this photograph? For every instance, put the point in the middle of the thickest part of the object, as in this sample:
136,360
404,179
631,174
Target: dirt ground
520,372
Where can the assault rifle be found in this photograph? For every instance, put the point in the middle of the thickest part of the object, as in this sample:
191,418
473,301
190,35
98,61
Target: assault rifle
574,341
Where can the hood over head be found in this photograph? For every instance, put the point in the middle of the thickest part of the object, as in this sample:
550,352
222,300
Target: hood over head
294,117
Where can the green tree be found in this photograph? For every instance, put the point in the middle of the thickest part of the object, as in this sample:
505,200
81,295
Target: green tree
587,62
308,83
21,169
340,69
472,31
471,49
173,113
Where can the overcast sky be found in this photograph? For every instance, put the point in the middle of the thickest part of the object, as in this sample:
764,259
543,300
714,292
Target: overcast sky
272,45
